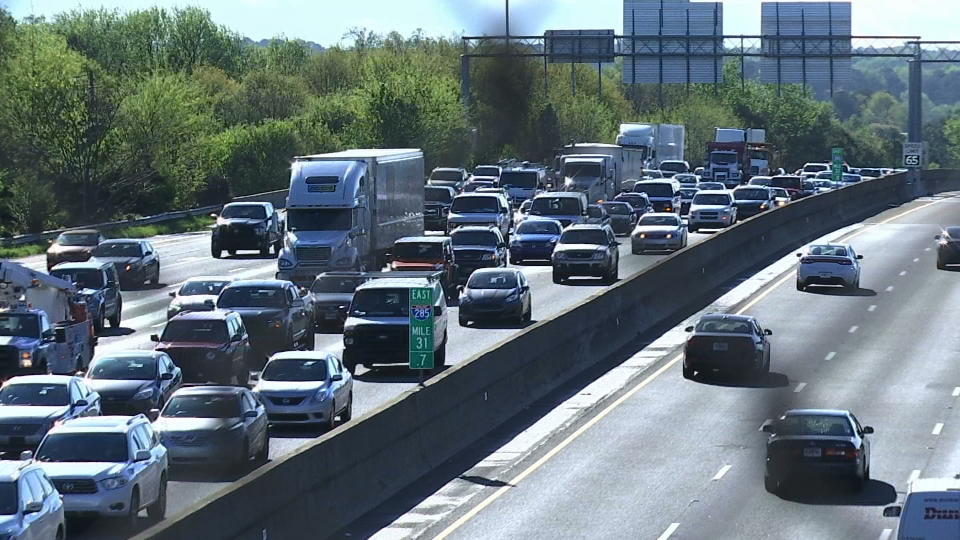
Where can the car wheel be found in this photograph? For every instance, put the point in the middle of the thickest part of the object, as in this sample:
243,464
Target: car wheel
529,315
440,356
309,339
215,250
940,265
331,421
133,514
637,251
243,376
801,286
60,535
244,458
771,484
349,362
464,321
115,319
688,373
158,510
692,228
558,277
264,454
347,413
100,322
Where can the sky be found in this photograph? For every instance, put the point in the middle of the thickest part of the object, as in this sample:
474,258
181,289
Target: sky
326,21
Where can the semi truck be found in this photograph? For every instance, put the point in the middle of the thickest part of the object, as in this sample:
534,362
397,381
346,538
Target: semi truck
44,326
592,174
627,163
655,142
736,155
346,209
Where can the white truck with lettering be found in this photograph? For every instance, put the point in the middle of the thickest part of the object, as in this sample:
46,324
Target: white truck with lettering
931,510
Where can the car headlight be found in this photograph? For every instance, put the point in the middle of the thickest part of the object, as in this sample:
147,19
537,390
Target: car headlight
320,395
284,263
174,308
348,337
487,257
210,355
26,359
146,393
512,297
275,323
943,241
641,235
114,482
599,254
764,206
669,236
560,255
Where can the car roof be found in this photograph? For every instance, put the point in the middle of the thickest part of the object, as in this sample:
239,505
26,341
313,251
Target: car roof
449,169
81,231
109,424
486,228
396,283
40,379
300,355
749,186
214,315
206,389
661,214
726,316
92,264
10,470
816,412
423,239
586,227
565,194
617,203
493,270
250,203
934,485
131,353
210,278
475,194
667,181
122,241
713,192
274,283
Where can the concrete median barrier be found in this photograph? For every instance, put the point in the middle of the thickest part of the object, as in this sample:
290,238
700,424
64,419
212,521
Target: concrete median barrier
340,476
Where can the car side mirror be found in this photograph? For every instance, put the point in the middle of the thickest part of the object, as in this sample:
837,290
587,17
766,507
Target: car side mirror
153,414
799,254
172,294
80,403
166,376
867,430
26,455
859,257
32,507
249,414
235,338
154,338
769,428
892,511
767,332
297,303
209,303
336,377
688,329
142,455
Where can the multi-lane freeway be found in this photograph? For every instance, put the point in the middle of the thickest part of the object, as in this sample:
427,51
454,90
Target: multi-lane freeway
187,255
673,458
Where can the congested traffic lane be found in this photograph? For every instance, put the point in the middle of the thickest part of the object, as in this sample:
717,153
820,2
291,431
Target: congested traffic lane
684,459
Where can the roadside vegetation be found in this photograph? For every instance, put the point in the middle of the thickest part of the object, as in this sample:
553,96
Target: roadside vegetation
108,114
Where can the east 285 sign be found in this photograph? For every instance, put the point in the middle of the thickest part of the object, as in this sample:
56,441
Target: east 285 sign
421,328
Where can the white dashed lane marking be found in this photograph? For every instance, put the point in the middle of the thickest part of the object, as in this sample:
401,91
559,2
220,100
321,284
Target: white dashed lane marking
800,387
669,532
829,356
890,288
873,307
937,428
853,329
723,470
956,391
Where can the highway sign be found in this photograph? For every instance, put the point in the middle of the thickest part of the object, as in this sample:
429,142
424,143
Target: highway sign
421,328
836,167
912,155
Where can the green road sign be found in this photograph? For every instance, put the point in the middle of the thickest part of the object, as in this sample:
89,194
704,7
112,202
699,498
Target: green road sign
421,328
836,168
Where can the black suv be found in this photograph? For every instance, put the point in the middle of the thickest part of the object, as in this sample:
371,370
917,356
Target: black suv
99,285
274,313
207,346
247,225
477,247
436,207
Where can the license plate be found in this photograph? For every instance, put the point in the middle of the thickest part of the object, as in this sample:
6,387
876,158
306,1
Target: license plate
825,274
329,316
720,346
322,188
812,452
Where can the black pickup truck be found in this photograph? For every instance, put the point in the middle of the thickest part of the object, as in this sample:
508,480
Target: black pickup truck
247,225
276,314
727,344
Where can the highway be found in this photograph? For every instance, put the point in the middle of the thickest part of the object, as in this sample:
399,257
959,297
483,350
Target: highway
187,255
672,458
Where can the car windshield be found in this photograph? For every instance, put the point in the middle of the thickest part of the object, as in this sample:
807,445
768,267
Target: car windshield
84,448
654,190
336,284
260,297
418,251
84,278
295,369
816,167
586,170
659,221
538,227
818,425
20,324
206,288
340,219
124,249
652,173
473,238
830,251
9,499
724,326
790,182
492,280
595,212
245,211
140,368
446,175
711,199
584,236
636,201
475,205
34,394
440,195
380,303
195,331
953,232
486,171
556,206
760,181
673,166
474,185
618,209
751,194
519,179
78,239
723,158
202,406
780,192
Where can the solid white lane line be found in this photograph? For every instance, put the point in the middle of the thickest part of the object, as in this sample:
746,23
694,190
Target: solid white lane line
829,356
853,329
723,470
938,428
956,391
914,474
903,272
885,534
873,307
916,259
890,288
800,387
240,269
158,325
669,532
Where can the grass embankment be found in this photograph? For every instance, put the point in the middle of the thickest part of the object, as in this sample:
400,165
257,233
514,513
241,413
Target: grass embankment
187,224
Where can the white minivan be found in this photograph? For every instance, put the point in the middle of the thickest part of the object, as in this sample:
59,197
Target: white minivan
931,510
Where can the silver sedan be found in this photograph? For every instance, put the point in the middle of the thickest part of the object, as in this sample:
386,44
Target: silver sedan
306,387
658,232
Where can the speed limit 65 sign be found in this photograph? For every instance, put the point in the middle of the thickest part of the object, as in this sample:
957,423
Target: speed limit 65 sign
913,155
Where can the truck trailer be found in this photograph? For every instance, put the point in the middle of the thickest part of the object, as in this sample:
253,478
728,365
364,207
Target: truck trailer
655,142
346,209
736,155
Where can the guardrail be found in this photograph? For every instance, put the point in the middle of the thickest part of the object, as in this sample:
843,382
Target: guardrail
278,198
337,478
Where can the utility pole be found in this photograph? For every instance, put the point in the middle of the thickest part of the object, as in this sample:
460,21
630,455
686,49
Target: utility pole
507,12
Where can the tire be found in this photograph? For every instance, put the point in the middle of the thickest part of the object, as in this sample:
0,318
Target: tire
265,250
464,321
772,485
60,535
100,321
940,265
264,454
688,373
232,252
529,315
244,456
692,228
349,362
440,356
215,250
278,247
134,511
801,286
347,413
331,422
115,319
558,278
857,483
243,377
309,339
156,276
636,251
158,510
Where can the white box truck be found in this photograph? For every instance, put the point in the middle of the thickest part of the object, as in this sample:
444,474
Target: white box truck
628,163
656,142
346,209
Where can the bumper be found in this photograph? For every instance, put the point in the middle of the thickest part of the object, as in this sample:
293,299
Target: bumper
621,227
521,252
948,255
653,244
786,470
125,407
702,223
726,364
105,503
659,206
587,268
308,413
241,239
483,311
135,275
222,453
826,278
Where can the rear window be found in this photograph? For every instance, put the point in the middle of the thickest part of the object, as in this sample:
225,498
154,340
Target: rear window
492,280
84,278
380,303
474,238
595,212
440,195
486,171
556,206
832,251
618,209
203,406
447,175
78,239
788,182
265,297
418,251
195,331
475,205
673,166
118,249
519,179
711,199
817,425
244,211
751,194
654,190
538,227
724,326
815,167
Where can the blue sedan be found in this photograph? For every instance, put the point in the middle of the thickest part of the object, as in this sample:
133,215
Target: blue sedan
534,239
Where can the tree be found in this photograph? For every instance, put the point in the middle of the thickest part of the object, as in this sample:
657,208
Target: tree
269,95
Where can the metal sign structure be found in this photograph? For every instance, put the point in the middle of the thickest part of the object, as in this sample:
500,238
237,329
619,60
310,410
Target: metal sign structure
912,155
672,42
421,328
836,165
579,46
806,43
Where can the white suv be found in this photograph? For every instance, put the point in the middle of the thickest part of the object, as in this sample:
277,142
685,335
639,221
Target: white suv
30,507
110,466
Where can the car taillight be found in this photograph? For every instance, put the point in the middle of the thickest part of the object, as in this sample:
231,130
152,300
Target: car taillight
805,261
845,262
844,452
